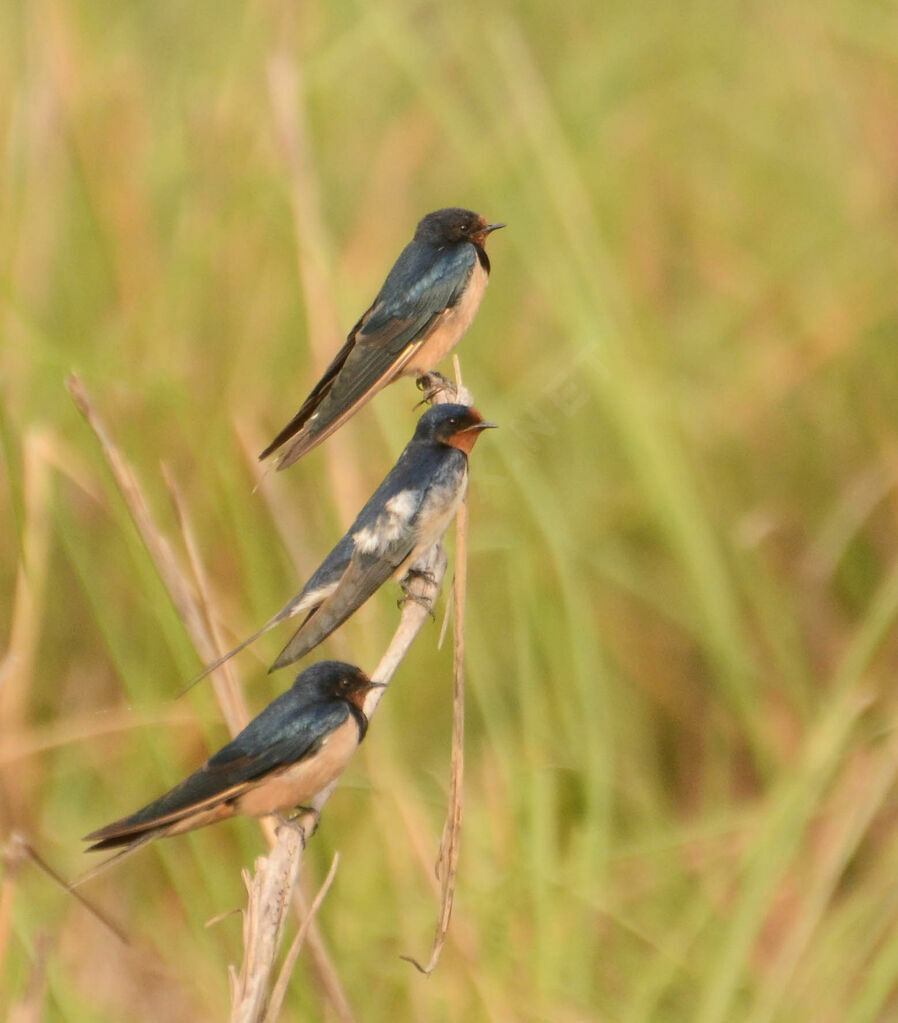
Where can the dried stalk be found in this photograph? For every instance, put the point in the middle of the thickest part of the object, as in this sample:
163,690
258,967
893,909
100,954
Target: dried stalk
269,890
280,988
259,948
450,842
25,618
274,885
196,620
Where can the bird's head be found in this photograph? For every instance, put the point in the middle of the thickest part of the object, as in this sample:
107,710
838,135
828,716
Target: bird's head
335,680
453,225
457,426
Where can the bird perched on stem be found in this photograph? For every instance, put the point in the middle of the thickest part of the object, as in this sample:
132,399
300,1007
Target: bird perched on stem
296,747
425,306
406,515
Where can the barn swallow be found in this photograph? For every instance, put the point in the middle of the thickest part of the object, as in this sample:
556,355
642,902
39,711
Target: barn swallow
425,306
405,516
298,745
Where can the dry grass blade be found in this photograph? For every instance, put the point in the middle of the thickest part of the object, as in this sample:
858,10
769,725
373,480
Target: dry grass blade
157,545
328,979
31,1008
18,849
280,989
196,620
227,691
26,618
450,843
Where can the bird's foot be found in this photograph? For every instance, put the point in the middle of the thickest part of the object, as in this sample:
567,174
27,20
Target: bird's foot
304,811
410,576
416,598
418,573
432,384
292,819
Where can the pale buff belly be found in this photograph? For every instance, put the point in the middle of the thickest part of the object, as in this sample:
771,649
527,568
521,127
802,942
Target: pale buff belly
450,326
298,784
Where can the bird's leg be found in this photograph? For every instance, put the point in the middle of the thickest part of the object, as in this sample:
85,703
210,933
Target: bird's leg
432,384
418,573
290,819
406,582
302,811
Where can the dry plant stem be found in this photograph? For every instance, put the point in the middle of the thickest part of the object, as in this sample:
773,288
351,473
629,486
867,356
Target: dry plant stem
276,1001
262,932
196,621
270,890
227,691
26,616
450,843
181,593
423,588
274,885
18,849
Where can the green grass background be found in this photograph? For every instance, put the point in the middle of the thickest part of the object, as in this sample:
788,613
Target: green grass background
681,787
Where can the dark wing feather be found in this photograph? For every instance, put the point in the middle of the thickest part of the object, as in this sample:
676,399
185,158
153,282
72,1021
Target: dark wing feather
319,392
366,573
367,570
423,283
330,570
283,734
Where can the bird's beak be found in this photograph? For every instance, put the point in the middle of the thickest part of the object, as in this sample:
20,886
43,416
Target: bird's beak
493,227
482,425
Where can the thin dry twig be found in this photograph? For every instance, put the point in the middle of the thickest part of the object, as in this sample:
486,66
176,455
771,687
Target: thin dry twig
450,842
425,582
227,691
25,620
291,841
279,992
155,542
18,849
196,620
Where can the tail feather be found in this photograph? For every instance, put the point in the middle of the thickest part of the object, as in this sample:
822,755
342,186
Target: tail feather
295,607
133,845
